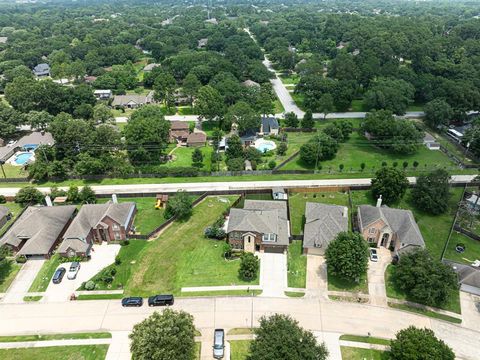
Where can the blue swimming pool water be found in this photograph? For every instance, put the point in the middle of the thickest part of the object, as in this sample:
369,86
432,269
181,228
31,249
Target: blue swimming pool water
22,158
265,147
30,147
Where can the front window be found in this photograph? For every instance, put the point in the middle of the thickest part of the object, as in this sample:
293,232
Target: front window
269,237
372,231
117,235
371,240
116,227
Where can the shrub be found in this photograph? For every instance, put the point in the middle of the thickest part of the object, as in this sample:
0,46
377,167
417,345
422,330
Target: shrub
2,199
405,164
125,243
21,259
272,164
282,148
214,232
341,166
362,166
118,261
90,285
29,195
248,267
415,164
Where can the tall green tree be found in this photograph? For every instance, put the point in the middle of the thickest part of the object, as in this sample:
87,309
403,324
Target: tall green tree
432,192
326,105
437,113
209,104
197,158
291,120
29,195
307,121
244,116
390,183
165,336
318,148
190,87
179,205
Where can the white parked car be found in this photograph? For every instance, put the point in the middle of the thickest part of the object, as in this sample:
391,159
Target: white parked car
373,255
73,271
11,143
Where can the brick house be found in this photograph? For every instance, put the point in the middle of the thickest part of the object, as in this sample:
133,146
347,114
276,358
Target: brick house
179,130
196,139
394,229
97,223
260,226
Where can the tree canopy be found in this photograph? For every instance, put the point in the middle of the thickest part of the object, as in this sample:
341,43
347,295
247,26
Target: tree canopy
390,183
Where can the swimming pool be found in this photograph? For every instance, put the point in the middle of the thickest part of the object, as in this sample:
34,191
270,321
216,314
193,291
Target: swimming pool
30,147
22,158
265,145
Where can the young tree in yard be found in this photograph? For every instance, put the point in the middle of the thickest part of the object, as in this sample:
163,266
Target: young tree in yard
432,191
437,112
235,148
282,148
209,104
291,120
236,164
391,183
179,205
29,195
102,114
419,344
249,266
320,147
280,337
334,132
326,105
197,158
347,256
307,121
166,336
424,279
87,195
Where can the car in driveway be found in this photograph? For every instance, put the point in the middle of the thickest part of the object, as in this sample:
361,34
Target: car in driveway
73,271
58,275
160,300
373,255
132,301
219,344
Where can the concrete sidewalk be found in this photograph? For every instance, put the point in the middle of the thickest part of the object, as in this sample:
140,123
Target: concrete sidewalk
23,281
362,345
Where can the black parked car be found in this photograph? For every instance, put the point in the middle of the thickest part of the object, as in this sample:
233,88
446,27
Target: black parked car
58,276
132,301
160,300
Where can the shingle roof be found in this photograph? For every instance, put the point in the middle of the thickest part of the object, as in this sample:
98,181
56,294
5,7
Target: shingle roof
400,221
179,125
262,216
40,226
77,245
36,137
91,215
323,223
150,67
4,211
467,275
41,69
250,83
119,100
196,138
269,123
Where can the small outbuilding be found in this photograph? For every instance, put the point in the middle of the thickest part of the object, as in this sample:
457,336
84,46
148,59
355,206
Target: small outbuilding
196,139
279,193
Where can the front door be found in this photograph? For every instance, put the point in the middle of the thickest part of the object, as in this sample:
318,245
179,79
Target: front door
249,243
384,242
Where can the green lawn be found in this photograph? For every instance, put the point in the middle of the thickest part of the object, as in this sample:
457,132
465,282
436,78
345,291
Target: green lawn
15,209
8,271
365,339
351,353
277,106
182,157
12,171
198,350
359,150
297,265
147,218
428,313
298,98
357,105
297,203
185,110
80,352
181,256
472,249
69,336
290,79
128,255
338,284
294,294
32,298
453,303
239,349
221,293
41,281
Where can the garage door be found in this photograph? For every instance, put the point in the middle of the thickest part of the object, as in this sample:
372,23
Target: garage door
316,251
274,249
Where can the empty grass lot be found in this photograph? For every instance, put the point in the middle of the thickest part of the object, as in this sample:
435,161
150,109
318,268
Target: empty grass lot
239,349
79,352
181,256
297,202
183,157
297,265
352,353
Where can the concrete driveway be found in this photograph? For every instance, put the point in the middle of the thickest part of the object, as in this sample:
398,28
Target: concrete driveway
317,276
102,256
23,281
470,310
376,277
273,274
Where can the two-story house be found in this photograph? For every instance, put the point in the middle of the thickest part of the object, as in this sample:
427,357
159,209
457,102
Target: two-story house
260,226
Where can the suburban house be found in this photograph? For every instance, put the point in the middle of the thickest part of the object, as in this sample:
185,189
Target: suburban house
248,138
394,229
97,223
262,225
41,70
322,224
468,277
102,94
27,143
196,139
279,193
269,126
430,142
150,67
5,215
38,230
202,43
179,130
132,101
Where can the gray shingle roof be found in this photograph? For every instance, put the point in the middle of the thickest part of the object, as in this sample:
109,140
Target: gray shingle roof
323,223
77,245
269,123
91,215
261,216
40,226
400,221
41,69
120,100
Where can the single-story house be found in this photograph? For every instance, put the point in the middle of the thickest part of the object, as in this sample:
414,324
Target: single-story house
390,228
196,139
202,43
41,70
473,202
430,142
89,79
97,223
279,193
102,94
248,138
262,225
269,126
150,67
179,130
5,215
250,83
132,101
468,277
38,230
322,224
